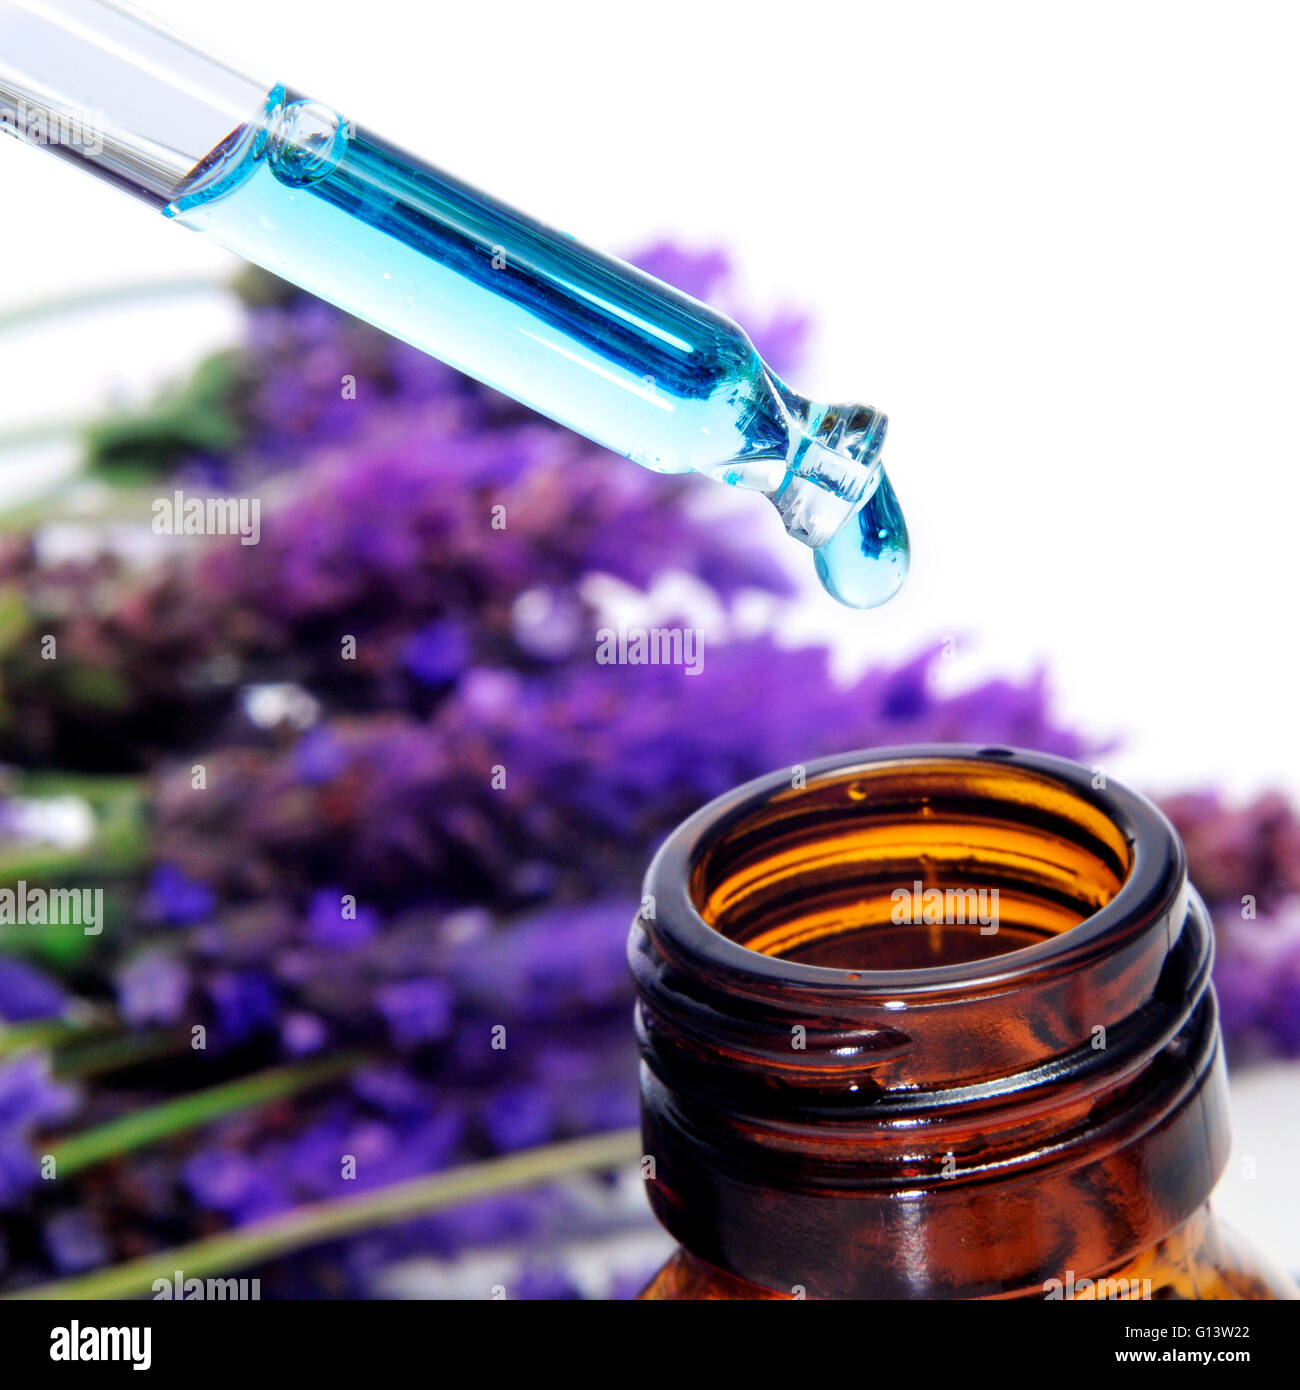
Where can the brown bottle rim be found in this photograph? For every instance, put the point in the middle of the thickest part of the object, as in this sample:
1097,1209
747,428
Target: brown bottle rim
1151,887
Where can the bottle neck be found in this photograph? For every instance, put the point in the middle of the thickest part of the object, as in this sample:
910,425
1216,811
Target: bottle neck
926,1023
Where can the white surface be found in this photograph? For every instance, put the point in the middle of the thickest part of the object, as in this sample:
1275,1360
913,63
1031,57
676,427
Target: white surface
1056,243
1257,1194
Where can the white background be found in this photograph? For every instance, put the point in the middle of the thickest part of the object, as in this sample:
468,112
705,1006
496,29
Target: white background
1058,244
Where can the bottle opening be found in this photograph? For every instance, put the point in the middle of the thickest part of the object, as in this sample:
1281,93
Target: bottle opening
824,1077
911,865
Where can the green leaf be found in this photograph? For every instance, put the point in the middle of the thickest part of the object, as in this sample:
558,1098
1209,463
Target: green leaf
261,1241
118,848
156,1122
194,417
15,618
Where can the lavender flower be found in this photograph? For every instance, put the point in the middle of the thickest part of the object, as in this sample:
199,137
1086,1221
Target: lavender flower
29,1101
152,988
1245,861
27,993
177,900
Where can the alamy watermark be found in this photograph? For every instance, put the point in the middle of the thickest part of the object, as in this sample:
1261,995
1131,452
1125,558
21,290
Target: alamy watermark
654,646
919,905
74,128
179,515
180,1289
1124,1290
24,906
73,1342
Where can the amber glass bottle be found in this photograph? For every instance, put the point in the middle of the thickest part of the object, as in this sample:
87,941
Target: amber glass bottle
933,1023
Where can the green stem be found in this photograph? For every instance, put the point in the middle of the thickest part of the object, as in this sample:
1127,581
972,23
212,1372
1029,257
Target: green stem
83,1059
261,1241
44,1032
131,292
147,1126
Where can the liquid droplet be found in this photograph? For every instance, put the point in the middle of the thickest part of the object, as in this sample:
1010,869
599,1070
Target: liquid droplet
864,564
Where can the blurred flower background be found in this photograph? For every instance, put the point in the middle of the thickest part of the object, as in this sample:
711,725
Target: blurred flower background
365,807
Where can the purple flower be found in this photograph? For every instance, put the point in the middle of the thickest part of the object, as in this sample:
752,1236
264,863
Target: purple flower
417,1011
392,1090
233,1184
19,1170
437,652
152,988
551,965
303,1033
544,1282
29,1096
26,993
178,900
219,1179
1234,851
518,1117
433,1141
488,1221
75,1242
339,925
29,1100
697,273
547,623
627,1286
244,1001
319,756
603,1105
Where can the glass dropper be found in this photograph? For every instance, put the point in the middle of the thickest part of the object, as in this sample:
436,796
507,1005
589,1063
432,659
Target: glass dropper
289,184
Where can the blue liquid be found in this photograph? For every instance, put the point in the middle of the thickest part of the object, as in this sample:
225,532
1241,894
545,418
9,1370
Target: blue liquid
580,337
877,533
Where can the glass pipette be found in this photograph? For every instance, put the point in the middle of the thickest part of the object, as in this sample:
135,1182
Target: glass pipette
289,184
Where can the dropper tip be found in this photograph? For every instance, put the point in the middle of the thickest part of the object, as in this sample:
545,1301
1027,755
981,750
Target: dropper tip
865,562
